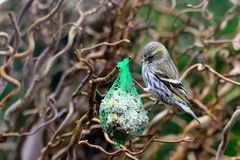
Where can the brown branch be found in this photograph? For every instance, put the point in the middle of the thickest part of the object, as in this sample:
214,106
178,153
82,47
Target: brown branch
202,67
16,83
77,134
17,134
16,32
68,75
6,45
92,93
39,77
87,117
125,150
185,73
185,139
9,51
118,151
104,43
46,17
24,10
5,36
225,135
198,5
50,143
78,90
176,13
204,108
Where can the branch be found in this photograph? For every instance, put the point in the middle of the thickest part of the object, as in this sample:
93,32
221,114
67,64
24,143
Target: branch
225,135
202,67
88,116
17,134
186,139
16,32
103,43
45,149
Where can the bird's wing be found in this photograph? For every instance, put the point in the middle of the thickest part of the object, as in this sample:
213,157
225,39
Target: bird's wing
169,77
173,84
167,66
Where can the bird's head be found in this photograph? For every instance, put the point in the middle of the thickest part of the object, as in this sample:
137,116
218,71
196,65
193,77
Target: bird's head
153,51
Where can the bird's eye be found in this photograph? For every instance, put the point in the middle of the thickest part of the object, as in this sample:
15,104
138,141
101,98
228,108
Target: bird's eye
150,56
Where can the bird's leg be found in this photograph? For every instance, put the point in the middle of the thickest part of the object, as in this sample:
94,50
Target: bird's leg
156,102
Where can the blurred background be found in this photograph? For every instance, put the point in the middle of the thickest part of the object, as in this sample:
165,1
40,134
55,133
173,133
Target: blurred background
52,52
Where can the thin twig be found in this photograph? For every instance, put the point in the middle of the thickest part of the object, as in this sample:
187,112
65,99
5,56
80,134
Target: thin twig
104,43
225,135
16,32
187,139
202,67
17,134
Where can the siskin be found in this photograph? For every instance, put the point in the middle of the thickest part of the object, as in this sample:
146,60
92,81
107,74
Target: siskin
161,78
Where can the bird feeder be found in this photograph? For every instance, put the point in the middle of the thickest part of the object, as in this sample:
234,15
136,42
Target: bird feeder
122,114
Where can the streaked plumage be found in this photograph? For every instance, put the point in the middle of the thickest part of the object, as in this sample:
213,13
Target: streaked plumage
161,77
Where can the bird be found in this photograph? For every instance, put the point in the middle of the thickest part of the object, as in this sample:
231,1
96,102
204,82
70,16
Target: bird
161,78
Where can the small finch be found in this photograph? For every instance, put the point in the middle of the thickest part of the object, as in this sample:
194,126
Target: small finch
161,78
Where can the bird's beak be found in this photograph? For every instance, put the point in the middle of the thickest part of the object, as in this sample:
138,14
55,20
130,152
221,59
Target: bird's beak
143,62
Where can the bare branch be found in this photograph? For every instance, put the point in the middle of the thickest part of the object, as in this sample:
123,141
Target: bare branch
225,134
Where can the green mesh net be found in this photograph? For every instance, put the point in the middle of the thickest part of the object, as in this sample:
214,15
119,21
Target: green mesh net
122,114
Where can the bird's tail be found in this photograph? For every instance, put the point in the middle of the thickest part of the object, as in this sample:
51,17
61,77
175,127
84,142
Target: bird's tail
189,110
195,117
